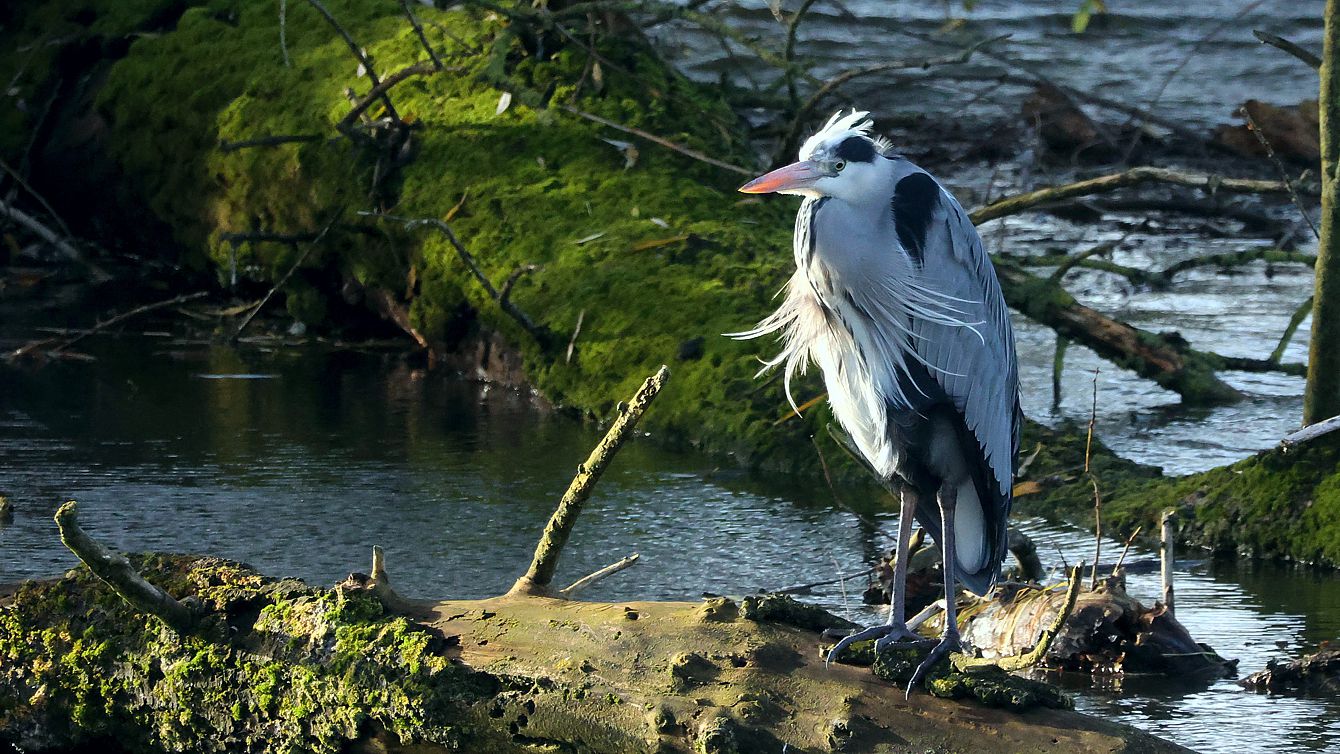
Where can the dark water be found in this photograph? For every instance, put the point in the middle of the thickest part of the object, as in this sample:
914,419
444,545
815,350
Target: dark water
298,461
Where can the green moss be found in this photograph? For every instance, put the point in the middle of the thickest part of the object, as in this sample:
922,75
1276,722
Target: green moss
312,670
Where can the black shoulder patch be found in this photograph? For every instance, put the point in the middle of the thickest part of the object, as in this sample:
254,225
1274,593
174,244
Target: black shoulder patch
856,149
914,201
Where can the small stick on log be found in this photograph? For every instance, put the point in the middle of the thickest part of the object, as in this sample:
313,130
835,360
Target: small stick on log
1274,40
1166,539
1310,432
380,584
545,561
1134,177
1126,549
964,663
571,591
114,570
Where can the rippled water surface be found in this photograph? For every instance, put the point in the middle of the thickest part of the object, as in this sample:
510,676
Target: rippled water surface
298,462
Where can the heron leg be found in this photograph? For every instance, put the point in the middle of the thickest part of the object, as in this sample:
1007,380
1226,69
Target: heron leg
949,637
895,630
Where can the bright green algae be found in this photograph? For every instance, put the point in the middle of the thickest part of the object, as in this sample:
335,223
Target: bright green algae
277,666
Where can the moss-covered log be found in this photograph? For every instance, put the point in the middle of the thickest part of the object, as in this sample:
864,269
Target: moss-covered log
280,666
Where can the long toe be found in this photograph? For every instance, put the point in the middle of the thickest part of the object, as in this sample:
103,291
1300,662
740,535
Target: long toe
873,632
940,651
902,636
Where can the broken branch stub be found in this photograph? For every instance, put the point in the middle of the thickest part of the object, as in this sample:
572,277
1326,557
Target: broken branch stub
545,561
114,570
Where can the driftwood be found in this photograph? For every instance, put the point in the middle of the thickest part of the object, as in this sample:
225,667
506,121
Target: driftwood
1108,632
1316,674
269,664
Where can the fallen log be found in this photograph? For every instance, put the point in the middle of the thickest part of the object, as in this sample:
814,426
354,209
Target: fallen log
276,665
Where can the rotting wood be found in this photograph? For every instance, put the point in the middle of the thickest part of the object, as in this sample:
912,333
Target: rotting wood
1035,655
538,577
114,570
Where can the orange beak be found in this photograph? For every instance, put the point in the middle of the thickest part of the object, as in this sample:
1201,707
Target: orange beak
794,176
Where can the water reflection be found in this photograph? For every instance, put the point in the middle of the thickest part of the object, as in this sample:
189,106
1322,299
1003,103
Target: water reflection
302,472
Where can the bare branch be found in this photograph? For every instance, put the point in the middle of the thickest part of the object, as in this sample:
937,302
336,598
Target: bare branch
62,245
1133,177
115,571
545,561
1279,168
653,138
418,29
57,346
1311,432
584,582
358,53
1312,60
538,332
380,89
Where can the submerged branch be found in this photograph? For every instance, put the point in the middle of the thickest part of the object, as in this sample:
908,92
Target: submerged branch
116,572
55,345
541,571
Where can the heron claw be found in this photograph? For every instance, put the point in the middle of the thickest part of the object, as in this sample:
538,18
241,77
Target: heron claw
948,643
883,636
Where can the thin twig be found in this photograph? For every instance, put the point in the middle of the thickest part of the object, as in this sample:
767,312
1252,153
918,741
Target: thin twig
792,138
66,249
789,54
312,244
805,588
379,90
653,138
418,29
57,345
1274,40
556,532
358,53
1279,167
1126,549
581,584
115,571
505,303
69,234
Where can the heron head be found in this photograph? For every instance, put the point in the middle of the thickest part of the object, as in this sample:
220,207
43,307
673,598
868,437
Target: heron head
841,159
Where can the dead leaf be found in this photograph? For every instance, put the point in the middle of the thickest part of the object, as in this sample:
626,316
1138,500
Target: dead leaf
589,238
504,102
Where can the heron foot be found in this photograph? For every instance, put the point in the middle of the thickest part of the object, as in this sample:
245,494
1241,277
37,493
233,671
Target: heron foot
883,636
949,642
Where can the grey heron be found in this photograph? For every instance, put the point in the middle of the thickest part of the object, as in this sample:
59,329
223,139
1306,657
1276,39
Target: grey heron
895,298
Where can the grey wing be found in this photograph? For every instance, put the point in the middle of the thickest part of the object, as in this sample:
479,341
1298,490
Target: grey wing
974,362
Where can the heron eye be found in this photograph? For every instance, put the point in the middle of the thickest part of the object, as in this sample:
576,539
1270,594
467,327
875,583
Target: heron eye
839,165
